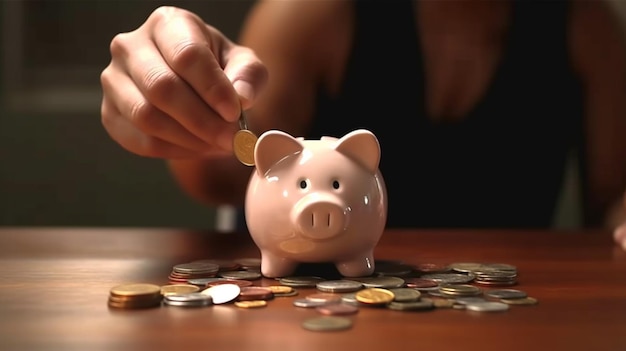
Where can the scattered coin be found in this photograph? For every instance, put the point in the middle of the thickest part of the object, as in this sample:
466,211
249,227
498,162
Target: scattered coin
303,281
241,282
506,294
307,303
395,285
222,293
244,275
374,296
255,293
405,294
339,286
282,290
324,297
422,304
327,323
381,282
521,301
337,309
251,303
488,306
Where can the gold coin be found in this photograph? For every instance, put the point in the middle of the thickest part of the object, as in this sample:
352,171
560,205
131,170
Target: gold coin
251,303
178,289
243,146
137,289
280,289
374,296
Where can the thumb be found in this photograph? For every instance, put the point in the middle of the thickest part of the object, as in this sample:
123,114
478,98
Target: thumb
247,74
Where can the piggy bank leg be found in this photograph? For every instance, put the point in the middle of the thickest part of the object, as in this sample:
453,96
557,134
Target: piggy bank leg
360,266
273,266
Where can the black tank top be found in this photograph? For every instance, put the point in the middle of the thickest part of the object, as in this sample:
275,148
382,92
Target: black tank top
503,165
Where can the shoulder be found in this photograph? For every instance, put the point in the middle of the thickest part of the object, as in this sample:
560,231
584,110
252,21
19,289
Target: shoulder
307,30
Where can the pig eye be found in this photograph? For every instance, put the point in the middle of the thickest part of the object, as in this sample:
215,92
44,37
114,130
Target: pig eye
335,184
304,184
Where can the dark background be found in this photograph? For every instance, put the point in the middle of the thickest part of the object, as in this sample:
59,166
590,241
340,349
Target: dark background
58,167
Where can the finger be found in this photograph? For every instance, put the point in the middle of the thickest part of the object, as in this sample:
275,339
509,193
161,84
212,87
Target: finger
192,51
170,94
135,141
247,72
619,234
131,104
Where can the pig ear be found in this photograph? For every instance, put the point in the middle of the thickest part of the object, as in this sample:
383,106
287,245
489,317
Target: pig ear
271,147
362,146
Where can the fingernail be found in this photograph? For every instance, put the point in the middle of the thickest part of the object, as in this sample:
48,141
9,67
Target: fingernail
228,111
244,89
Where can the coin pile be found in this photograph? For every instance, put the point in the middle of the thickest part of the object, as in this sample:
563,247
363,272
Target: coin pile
182,273
475,287
492,274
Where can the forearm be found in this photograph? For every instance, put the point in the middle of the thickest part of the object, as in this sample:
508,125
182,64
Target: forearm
212,182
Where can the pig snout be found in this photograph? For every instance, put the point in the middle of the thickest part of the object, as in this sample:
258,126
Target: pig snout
320,216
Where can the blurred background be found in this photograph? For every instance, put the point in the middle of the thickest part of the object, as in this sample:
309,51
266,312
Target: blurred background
57,164
58,167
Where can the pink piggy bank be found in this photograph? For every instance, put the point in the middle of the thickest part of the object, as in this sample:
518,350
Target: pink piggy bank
316,201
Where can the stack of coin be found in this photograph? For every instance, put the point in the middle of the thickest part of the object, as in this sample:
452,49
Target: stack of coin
459,290
134,296
182,273
195,299
249,293
223,264
495,274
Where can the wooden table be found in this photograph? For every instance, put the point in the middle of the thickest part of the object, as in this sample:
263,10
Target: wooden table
54,284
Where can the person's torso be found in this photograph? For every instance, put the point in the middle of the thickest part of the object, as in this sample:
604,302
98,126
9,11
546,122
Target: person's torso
501,165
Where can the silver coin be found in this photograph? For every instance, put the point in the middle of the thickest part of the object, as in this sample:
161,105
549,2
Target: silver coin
186,304
301,282
488,306
188,297
405,294
308,303
202,282
464,300
460,290
383,282
465,267
339,286
327,323
196,268
506,294
244,275
449,278
223,293
349,298
422,304
498,267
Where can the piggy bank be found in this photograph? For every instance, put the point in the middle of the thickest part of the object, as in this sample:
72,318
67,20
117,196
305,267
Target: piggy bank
316,201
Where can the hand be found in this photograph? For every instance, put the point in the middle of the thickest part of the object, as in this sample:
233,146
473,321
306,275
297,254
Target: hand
175,87
617,220
620,235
